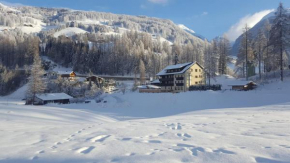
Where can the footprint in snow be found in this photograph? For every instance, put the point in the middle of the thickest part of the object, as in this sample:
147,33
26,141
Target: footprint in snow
184,135
153,141
150,153
130,154
221,150
57,143
85,150
40,152
173,126
34,158
100,138
53,147
126,139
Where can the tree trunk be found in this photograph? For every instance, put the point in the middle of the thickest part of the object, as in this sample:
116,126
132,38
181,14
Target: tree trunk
260,73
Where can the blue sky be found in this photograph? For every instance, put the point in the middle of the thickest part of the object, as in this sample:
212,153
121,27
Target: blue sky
209,18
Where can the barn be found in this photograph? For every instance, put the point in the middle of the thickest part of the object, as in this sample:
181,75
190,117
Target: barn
243,86
60,98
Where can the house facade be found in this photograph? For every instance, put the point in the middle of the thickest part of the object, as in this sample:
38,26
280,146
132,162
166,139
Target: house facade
179,77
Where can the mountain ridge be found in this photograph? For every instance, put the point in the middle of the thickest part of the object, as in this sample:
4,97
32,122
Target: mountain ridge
108,23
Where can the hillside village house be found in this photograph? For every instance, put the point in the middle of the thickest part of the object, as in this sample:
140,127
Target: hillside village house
69,75
179,77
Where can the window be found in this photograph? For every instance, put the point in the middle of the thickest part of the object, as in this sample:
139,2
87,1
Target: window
199,70
195,70
196,83
196,76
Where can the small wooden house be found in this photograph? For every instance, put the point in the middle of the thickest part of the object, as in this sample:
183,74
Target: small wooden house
69,75
61,98
243,86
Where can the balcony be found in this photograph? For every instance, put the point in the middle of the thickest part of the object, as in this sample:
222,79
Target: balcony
166,85
166,79
180,78
179,84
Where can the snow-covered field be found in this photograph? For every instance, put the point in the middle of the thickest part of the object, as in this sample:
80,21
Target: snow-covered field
225,126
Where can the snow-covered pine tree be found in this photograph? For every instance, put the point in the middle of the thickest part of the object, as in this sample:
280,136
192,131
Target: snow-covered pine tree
279,35
36,82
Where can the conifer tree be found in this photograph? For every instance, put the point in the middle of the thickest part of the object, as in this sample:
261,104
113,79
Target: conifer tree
279,35
36,83
142,72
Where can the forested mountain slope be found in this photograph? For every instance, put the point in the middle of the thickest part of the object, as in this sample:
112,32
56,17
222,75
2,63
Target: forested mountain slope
84,39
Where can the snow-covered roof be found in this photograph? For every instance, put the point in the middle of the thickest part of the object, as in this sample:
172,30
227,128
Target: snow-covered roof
186,65
234,83
157,81
65,72
53,96
177,66
148,87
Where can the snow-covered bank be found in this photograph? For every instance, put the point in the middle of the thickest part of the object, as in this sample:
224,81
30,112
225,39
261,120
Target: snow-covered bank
225,126
136,105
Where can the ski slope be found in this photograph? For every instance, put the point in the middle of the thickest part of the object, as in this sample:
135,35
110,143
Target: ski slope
225,126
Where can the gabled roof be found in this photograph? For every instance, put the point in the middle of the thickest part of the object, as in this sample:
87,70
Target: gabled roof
241,83
53,96
157,81
185,65
177,66
66,72
148,87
